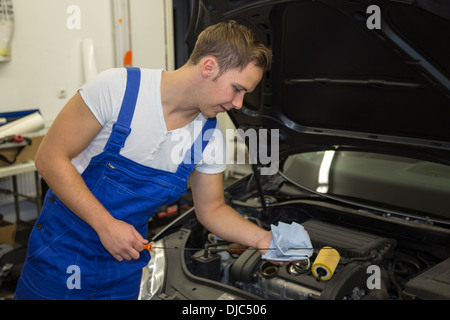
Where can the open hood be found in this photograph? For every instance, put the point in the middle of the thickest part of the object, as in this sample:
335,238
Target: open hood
345,75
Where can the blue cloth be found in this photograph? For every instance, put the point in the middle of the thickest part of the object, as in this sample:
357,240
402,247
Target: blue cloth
290,242
61,242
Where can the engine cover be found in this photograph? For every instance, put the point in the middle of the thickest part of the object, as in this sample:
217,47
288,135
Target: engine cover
349,243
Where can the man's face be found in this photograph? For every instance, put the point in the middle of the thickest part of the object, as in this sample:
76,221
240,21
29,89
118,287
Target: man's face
227,91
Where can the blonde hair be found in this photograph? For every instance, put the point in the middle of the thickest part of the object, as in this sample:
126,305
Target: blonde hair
233,45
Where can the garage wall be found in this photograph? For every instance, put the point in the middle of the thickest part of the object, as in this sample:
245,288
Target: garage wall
46,68
46,54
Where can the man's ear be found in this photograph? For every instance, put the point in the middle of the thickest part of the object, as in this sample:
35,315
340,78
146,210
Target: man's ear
209,67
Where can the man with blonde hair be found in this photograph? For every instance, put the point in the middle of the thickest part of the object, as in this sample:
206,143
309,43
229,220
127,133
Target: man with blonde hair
106,159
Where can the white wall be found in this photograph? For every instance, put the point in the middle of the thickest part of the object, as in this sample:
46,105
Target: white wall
152,33
46,55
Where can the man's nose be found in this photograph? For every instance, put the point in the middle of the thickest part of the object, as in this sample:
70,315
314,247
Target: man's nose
238,101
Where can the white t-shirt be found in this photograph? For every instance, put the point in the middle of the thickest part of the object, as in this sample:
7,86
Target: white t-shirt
149,143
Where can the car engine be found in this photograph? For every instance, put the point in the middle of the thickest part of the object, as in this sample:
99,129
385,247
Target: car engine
246,270
382,255
296,281
371,266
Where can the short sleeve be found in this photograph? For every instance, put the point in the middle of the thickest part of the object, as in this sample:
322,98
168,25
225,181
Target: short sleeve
104,93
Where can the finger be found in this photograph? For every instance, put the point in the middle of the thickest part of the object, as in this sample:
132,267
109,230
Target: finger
118,257
128,256
134,250
139,242
139,237
136,253
125,255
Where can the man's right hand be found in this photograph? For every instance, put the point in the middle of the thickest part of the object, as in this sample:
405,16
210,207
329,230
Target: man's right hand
121,240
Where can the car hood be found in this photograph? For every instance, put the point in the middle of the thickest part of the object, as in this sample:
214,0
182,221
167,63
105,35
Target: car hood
347,74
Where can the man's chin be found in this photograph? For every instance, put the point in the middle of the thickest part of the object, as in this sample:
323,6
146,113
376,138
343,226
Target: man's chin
211,114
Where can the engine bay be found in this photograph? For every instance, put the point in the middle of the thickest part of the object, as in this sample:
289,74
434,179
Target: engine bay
370,267
380,257
296,280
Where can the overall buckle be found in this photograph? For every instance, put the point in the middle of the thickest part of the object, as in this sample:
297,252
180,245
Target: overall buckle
119,134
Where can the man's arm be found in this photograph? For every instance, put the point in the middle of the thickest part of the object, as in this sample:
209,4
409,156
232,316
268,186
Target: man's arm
221,219
71,132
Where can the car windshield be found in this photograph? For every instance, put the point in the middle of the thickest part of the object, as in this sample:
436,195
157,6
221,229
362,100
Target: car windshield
384,181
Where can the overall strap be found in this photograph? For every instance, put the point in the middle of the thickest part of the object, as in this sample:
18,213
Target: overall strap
121,129
194,155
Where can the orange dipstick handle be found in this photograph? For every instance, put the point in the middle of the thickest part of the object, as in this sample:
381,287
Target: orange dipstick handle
149,246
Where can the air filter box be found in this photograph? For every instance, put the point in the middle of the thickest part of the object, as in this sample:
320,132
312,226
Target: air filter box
432,284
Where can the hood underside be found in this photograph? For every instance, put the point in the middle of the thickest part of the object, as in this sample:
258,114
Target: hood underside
338,81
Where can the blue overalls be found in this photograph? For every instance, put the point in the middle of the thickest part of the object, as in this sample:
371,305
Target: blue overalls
66,259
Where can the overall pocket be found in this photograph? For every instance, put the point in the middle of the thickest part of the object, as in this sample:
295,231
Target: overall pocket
49,229
132,203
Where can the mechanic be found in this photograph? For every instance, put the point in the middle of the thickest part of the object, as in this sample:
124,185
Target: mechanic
106,161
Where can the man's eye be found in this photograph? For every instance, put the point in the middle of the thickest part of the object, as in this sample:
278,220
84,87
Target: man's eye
236,89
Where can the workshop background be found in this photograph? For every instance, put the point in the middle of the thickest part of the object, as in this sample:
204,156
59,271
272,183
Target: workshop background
48,49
